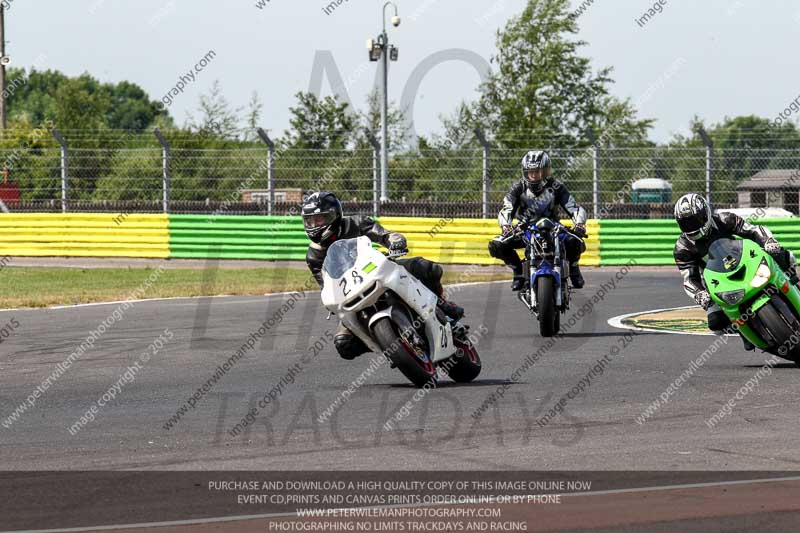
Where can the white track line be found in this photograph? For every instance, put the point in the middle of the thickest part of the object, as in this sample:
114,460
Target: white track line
616,322
661,488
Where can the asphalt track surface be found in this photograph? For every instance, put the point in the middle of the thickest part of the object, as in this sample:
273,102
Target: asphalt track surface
596,431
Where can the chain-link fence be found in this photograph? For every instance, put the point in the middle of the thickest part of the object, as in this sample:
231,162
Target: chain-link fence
182,173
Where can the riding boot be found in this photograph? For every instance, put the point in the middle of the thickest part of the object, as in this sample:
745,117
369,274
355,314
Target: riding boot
575,276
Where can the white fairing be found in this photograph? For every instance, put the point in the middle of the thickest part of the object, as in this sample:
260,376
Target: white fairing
354,278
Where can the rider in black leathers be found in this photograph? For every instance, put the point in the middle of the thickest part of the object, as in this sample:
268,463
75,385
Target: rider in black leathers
700,227
533,197
324,224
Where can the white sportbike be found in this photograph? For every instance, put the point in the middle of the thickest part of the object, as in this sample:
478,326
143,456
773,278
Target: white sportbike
392,311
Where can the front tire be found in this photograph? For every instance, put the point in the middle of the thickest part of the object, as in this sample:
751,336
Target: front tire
465,365
780,331
402,354
546,302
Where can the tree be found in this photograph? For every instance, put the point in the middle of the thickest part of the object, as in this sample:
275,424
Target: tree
542,84
371,120
131,108
253,116
217,118
79,102
320,123
745,145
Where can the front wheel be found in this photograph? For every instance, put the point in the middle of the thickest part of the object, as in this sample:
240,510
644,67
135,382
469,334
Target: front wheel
546,302
419,370
781,332
465,365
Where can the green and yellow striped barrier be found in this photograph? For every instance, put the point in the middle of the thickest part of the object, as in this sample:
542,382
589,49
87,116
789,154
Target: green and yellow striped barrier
445,240
84,235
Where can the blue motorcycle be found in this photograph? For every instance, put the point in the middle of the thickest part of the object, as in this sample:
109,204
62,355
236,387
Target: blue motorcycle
547,291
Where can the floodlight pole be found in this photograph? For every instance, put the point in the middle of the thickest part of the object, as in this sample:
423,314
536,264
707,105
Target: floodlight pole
384,38
595,173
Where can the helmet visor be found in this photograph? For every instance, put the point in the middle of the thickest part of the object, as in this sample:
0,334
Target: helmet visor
534,176
692,225
319,220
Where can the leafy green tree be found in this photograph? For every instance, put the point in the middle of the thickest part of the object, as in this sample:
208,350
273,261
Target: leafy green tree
743,146
370,119
131,108
134,177
216,116
320,123
253,117
79,102
541,83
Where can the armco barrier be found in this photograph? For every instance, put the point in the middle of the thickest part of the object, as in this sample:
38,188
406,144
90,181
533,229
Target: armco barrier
466,240
448,241
651,242
462,241
237,237
84,234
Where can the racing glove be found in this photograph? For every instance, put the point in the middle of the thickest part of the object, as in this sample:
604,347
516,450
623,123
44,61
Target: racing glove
780,254
579,230
507,230
703,299
397,244
773,247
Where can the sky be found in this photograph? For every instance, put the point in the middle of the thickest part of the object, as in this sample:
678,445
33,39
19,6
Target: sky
712,59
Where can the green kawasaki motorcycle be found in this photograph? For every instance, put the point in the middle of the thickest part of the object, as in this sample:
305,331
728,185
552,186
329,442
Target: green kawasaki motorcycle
757,296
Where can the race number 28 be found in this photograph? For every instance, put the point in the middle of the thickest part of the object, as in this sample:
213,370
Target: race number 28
356,277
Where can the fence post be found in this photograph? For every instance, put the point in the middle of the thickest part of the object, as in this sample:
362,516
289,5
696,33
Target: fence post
486,172
595,173
270,168
64,169
709,161
165,163
376,150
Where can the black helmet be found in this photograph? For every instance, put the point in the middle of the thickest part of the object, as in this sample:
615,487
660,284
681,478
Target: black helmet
536,170
322,216
694,216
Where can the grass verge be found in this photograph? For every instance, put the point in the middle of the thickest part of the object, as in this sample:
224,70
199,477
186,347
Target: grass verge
40,287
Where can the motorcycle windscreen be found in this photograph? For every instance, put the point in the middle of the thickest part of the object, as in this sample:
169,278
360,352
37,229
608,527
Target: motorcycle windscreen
341,256
724,255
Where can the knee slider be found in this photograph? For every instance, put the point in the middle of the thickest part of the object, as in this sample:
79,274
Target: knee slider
348,346
718,321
